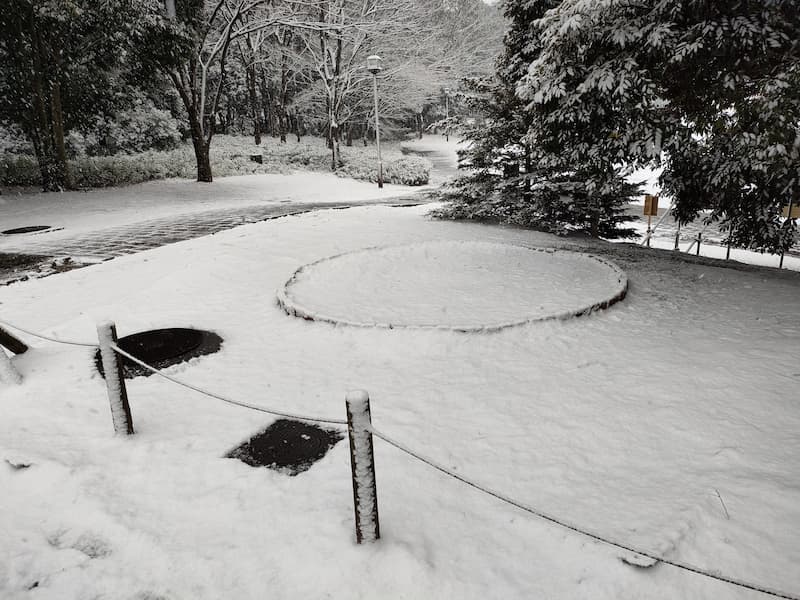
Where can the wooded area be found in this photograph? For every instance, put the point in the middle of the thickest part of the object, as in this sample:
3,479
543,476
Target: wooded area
77,69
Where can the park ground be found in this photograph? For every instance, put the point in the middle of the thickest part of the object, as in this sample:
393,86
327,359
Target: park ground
668,421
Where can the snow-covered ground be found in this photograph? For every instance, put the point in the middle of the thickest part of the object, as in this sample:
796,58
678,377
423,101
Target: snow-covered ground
456,285
84,211
638,421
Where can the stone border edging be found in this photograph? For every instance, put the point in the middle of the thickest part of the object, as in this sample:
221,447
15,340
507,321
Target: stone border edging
291,308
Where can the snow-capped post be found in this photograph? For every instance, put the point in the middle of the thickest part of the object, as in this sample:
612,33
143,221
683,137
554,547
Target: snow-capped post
8,374
362,464
115,382
13,343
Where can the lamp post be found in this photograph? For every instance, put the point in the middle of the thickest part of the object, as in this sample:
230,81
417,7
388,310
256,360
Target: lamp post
446,114
374,67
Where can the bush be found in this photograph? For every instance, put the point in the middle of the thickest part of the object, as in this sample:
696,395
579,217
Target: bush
22,170
131,131
230,155
403,171
13,141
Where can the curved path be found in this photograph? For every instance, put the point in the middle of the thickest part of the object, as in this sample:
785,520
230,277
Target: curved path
103,224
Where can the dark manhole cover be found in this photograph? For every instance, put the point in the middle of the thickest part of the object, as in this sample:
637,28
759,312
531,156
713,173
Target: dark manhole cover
162,348
28,229
287,446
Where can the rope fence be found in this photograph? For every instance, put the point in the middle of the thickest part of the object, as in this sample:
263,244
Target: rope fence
46,337
360,430
225,399
578,529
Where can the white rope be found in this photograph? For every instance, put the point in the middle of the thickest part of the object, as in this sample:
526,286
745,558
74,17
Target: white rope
694,241
571,526
46,337
278,413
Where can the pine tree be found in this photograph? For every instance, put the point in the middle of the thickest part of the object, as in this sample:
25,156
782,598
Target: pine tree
708,89
517,169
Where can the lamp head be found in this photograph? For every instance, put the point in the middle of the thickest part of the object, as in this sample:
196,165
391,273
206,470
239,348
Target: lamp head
374,64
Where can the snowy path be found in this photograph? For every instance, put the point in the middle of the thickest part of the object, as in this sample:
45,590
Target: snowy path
136,216
638,421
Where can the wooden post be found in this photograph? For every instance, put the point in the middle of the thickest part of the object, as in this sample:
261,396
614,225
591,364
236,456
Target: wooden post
362,463
728,251
788,218
699,236
115,383
13,343
677,237
8,374
648,230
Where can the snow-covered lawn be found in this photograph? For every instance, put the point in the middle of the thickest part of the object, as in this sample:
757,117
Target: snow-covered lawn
84,211
638,421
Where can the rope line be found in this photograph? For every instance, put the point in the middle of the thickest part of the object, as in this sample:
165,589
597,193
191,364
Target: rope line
46,337
583,531
200,390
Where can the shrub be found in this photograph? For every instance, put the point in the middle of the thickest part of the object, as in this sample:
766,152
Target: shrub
230,155
22,170
403,171
138,129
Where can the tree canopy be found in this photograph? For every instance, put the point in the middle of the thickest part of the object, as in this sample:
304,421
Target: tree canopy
707,90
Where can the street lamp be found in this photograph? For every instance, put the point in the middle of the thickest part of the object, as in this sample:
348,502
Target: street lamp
446,114
374,67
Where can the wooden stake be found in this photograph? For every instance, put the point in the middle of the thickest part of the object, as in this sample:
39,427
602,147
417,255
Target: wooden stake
362,463
699,236
13,343
8,374
115,382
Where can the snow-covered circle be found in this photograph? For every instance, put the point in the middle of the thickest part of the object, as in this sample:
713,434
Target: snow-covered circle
463,286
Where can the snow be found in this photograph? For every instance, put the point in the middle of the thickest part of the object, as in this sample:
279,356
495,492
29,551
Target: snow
8,374
715,250
630,420
458,285
85,211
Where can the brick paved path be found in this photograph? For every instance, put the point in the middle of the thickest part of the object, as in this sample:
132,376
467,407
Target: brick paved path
144,235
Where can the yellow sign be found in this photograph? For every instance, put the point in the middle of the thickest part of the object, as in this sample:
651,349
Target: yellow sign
795,211
650,205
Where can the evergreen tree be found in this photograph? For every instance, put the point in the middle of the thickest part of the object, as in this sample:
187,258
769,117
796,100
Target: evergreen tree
518,172
707,89
59,63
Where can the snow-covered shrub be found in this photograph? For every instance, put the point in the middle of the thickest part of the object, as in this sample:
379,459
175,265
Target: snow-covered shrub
404,170
19,170
143,127
14,141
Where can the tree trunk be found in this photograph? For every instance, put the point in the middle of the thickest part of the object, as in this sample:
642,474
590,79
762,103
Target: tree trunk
61,167
420,124
334,147
203,159
250,75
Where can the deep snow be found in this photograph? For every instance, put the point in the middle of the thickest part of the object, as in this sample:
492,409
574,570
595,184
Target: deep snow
630,420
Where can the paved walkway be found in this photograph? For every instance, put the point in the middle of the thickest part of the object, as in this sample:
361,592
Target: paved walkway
103,230
143,235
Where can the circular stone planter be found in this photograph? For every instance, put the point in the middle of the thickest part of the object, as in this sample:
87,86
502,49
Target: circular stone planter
461,286
28,229
163,348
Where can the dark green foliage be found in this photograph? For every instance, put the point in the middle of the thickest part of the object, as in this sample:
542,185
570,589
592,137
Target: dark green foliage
707,89
517,169
59,69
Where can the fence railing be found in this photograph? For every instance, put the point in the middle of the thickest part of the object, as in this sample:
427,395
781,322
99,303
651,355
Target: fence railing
360,433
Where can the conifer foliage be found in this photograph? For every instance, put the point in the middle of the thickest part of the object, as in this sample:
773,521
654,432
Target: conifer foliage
517,170
708,90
